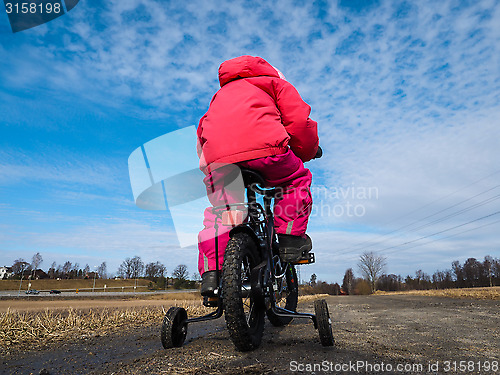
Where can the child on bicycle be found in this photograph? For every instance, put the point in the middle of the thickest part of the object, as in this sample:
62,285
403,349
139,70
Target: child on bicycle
257,120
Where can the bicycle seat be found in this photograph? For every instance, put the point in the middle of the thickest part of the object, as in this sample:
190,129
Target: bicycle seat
251,177
255,182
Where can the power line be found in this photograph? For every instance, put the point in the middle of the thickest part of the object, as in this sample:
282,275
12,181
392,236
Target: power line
424,206
439,239
476,205
445,238
466,209
440,232
426,217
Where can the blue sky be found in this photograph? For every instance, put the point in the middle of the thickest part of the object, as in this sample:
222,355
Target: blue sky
406,95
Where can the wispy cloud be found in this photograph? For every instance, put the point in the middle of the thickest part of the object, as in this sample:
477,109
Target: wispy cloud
102,240
406,94
59,167
151,49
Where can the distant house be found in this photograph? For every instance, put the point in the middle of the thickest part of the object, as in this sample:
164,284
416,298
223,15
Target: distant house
91,275
40,274
5,272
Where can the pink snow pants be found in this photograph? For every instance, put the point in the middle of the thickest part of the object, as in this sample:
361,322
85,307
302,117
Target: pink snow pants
291,212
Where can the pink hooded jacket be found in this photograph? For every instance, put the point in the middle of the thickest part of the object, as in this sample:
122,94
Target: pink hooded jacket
255,114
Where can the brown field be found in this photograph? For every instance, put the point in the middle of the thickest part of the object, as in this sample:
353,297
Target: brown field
73,284
85,304
492,293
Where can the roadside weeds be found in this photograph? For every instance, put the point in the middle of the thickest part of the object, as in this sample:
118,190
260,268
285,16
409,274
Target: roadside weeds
492,293
20,331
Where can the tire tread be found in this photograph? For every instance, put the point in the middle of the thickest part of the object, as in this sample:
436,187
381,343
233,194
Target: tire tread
324,325
243,337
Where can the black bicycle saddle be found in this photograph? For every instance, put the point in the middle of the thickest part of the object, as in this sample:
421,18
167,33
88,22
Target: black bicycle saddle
251,177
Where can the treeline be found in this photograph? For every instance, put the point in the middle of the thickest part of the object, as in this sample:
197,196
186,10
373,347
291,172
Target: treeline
68,270
315,286
130,268
472,273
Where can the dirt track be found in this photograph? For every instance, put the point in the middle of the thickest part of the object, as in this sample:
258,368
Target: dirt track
378,331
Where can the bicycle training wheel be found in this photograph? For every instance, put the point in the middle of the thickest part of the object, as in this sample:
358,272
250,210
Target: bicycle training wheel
287,297
174,328
244,313
324,322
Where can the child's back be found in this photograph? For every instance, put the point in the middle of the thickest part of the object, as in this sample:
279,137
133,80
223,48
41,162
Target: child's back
255,114
257,120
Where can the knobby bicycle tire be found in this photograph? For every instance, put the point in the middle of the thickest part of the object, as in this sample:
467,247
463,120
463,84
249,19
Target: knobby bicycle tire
244,313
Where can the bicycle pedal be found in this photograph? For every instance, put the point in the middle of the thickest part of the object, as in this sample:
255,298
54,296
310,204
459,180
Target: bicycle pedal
210,301
310,259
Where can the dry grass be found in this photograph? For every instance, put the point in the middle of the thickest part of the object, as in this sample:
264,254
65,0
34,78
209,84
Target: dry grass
180,296
84,303
19,330
312,297
30,329
492,293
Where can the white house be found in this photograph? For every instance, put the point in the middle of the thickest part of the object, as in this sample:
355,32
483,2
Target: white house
5,271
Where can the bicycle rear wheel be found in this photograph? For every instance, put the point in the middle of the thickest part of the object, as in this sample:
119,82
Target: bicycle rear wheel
244,312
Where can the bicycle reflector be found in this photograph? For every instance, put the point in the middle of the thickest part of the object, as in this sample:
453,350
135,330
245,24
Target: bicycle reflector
232,217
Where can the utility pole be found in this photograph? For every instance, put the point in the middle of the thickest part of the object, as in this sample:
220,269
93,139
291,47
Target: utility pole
21,283
95,274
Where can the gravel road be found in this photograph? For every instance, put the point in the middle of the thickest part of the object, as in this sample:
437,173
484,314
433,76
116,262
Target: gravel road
397,334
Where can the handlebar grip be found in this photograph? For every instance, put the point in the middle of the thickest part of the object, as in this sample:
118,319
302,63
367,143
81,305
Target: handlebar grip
319,153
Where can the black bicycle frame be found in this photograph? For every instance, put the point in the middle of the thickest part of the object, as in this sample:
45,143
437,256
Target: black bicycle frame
260,226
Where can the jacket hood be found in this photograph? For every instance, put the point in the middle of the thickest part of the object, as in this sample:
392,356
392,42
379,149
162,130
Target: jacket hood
245,67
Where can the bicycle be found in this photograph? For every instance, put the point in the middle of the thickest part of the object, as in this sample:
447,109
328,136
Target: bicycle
254,282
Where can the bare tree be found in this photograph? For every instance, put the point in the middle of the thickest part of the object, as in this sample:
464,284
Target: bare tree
372,266
154,270
102,270
66,268
19,267
495,271
59,271
35,262
136,266
74,271
180,272
348,282
459,273
472,270
131,268
52,270
125,269
389,282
